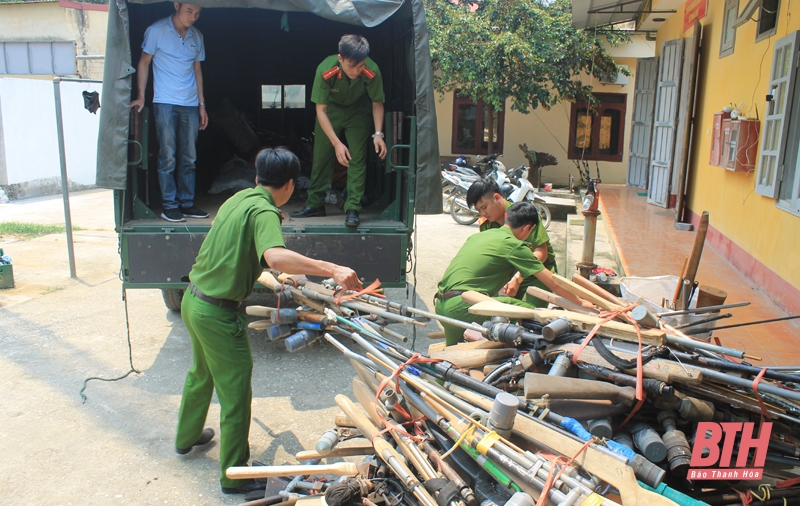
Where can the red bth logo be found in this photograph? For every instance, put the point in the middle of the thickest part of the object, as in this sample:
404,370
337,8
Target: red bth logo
707,440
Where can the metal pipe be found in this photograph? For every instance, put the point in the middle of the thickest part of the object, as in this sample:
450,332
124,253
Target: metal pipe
771,373
705,320
706,309
745,383
758,322
62,157
702,345
426,314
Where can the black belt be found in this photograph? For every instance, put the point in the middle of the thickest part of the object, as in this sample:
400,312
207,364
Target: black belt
228,304
446,295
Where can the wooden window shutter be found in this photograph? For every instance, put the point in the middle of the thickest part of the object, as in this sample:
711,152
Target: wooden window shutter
776,120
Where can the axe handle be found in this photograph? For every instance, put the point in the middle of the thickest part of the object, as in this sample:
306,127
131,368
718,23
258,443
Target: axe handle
559,301
247,472
592,287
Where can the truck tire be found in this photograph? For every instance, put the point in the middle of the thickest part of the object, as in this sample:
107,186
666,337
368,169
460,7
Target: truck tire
173,298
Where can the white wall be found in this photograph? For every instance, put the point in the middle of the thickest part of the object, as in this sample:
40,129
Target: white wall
29,139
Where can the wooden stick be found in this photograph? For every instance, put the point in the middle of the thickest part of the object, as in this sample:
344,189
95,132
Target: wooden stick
472,297
585,294
251,472
697,249
264,311
558,300
597,290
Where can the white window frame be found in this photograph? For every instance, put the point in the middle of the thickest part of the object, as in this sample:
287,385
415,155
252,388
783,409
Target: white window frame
43,58
729,16
777,117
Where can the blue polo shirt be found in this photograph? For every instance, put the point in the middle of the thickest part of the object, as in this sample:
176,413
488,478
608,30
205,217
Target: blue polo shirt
173,62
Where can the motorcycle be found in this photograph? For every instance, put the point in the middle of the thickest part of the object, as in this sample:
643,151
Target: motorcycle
514,187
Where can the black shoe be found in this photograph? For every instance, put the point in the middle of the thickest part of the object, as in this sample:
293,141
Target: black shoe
308,212
193,212
250,486
172,215
206,436
351,220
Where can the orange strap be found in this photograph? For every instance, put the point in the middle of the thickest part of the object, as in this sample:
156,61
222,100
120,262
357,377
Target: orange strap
551,479
416,358
764,412
283,285
745,497
607,317
370,290
787,483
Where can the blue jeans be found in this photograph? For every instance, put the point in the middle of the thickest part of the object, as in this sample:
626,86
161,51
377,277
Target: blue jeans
176,127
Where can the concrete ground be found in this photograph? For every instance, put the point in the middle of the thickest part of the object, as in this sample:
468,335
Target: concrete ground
117,447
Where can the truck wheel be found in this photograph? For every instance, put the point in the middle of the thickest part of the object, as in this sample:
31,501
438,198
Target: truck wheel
173,298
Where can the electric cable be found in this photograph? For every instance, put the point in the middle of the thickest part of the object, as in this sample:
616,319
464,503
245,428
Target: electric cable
130,353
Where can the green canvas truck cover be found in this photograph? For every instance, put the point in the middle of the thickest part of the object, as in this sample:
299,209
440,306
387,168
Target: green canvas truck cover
112,151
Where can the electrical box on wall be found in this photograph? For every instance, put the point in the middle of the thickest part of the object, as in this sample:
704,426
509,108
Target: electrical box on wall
734,144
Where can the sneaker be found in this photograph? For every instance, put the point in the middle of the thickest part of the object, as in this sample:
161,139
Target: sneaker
193,212
172,215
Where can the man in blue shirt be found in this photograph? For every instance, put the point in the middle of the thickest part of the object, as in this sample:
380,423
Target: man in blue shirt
176,49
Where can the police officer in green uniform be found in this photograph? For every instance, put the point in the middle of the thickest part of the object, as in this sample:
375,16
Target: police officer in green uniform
484,196
348,91
245,238
485,264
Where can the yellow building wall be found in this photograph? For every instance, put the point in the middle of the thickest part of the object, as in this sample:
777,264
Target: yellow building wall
751,221
49,22
546,131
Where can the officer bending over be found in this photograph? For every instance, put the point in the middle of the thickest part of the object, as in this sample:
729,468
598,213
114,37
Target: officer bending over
244,239
348,91
486,263
484,196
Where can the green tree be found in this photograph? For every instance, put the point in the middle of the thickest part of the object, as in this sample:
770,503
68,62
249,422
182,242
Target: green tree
525,50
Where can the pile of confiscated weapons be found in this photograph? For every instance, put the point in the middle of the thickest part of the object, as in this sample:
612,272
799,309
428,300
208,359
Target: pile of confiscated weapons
561,407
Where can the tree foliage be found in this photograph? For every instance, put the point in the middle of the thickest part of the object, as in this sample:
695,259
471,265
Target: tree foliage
526,50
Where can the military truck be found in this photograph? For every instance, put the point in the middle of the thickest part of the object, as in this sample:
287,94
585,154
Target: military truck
261,57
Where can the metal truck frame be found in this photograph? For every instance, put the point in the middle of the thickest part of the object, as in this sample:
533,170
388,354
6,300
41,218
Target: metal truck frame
279,42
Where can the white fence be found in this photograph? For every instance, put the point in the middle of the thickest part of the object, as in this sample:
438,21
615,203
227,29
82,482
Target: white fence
28,138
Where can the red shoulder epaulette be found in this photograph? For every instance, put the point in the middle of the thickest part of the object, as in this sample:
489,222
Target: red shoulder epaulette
482,220
335,71
367,72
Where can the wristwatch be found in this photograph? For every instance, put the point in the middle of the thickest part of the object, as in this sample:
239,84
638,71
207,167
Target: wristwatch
202,104
378,134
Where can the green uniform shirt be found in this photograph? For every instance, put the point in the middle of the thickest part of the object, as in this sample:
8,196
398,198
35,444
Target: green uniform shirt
537,238
232,255
487,261
332,86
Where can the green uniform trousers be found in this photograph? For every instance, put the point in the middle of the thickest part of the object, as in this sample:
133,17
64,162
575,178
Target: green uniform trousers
355,122
222,360
455,307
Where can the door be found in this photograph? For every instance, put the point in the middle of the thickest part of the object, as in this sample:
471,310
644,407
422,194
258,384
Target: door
644,98
686,111
665,122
